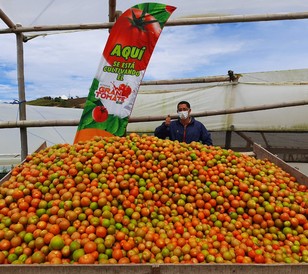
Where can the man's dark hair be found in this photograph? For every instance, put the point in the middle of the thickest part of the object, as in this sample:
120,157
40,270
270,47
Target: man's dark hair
183,102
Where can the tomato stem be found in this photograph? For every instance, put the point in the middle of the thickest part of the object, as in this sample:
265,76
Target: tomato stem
140,22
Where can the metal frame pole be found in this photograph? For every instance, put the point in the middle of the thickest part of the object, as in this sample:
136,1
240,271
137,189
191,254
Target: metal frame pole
21,94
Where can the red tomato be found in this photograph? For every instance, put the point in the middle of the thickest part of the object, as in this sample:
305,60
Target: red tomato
132,29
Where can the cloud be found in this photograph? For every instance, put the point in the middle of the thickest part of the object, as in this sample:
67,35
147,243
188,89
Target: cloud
209,50
186,51
62,64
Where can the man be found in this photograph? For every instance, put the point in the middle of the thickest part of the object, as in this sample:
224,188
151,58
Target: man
185,129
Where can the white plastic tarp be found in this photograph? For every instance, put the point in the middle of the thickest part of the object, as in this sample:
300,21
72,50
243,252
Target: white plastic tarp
10,137
262,91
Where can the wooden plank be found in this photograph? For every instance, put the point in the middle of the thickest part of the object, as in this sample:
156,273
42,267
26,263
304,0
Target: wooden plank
262,153
216,268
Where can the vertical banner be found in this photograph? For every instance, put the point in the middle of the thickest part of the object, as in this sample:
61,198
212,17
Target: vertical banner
122,66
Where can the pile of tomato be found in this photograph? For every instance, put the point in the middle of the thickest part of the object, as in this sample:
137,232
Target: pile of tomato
140,199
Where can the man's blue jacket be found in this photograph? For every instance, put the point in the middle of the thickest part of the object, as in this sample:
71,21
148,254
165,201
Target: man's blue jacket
194,131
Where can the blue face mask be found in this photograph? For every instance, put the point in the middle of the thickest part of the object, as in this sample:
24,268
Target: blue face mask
183,114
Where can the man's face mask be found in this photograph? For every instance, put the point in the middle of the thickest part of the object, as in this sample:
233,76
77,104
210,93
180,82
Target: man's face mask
183,114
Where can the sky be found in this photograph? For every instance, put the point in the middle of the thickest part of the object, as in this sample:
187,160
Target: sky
65,63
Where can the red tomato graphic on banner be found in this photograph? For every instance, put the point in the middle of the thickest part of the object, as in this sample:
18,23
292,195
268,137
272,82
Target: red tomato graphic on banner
100,114
126,90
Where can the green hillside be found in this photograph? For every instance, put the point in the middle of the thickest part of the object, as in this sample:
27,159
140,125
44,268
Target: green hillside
58,102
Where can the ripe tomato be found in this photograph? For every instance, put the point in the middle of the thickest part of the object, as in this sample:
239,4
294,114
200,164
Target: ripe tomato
259,259
86,259
133,29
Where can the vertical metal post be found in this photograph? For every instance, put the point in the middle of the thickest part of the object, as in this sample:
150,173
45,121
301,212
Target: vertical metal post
112,10
228,139
21,94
